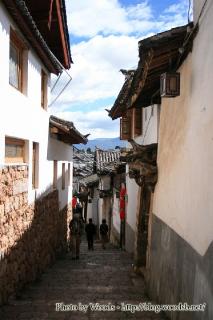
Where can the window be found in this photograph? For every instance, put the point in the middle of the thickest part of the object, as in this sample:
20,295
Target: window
55,173
63,176
16,61
14,150
35,165
137,121
43,90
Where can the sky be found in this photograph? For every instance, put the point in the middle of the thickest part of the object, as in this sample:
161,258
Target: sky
104,37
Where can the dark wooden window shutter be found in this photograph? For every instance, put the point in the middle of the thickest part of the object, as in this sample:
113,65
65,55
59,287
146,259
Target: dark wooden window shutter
125,127
138,121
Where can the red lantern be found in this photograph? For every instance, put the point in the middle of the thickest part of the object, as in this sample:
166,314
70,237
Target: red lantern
122,203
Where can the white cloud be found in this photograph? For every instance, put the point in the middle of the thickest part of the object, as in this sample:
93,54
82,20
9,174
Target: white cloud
177,7
95,71
112,32
98,60
95,122
90,18
174,15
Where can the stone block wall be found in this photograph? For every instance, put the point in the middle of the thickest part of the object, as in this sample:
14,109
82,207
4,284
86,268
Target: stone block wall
31,236
179,274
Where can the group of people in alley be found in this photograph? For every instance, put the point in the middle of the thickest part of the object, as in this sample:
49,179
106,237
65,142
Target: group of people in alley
77,227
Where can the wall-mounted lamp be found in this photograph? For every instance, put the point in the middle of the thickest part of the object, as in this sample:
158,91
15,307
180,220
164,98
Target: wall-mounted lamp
170,84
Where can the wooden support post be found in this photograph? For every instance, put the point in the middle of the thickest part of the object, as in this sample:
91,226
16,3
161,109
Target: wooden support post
138,235
149,232
142,227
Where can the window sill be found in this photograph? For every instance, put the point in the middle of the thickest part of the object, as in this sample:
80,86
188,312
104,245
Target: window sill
9,164
24,94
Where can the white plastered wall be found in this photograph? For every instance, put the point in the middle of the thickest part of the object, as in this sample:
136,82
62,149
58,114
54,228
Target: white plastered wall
183,194
149,135
116,214
23,117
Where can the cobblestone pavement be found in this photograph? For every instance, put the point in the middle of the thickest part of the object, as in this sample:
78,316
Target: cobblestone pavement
100,276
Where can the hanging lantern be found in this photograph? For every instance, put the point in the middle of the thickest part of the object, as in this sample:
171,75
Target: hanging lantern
170,84
122,203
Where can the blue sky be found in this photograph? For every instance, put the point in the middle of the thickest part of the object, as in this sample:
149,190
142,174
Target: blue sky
104,37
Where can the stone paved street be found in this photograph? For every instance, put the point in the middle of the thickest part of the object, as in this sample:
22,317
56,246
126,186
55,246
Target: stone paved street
100,276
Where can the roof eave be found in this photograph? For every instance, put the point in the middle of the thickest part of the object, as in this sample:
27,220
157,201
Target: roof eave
64,34
69,135
120,104
21,15
150,51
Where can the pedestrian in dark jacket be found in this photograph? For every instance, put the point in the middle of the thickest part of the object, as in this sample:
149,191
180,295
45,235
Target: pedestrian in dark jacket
90,231
104,233
76,227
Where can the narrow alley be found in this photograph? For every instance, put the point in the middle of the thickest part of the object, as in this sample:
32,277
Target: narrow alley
101,276
106,132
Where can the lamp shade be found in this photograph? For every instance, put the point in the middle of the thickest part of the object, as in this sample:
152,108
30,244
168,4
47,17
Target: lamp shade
170,84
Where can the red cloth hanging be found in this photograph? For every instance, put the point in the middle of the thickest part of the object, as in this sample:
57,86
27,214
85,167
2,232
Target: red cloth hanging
122,214
74,202
122,203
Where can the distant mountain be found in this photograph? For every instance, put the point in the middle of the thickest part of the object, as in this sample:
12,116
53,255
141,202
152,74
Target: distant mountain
102,143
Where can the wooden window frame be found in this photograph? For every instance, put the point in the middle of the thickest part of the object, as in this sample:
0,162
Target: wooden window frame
35,165
15,142
19,45
138,121
55,174
69,174
44,89
63,176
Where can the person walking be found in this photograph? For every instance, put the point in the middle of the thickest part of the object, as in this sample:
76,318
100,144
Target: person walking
104,233
90,231
76,228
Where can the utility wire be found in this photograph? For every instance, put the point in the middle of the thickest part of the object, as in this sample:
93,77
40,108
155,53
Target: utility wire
66,85
147,127
190,34
189,8
201,11
53,87
60,93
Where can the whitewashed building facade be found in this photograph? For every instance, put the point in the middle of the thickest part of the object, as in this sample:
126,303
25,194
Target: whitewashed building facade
35,149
